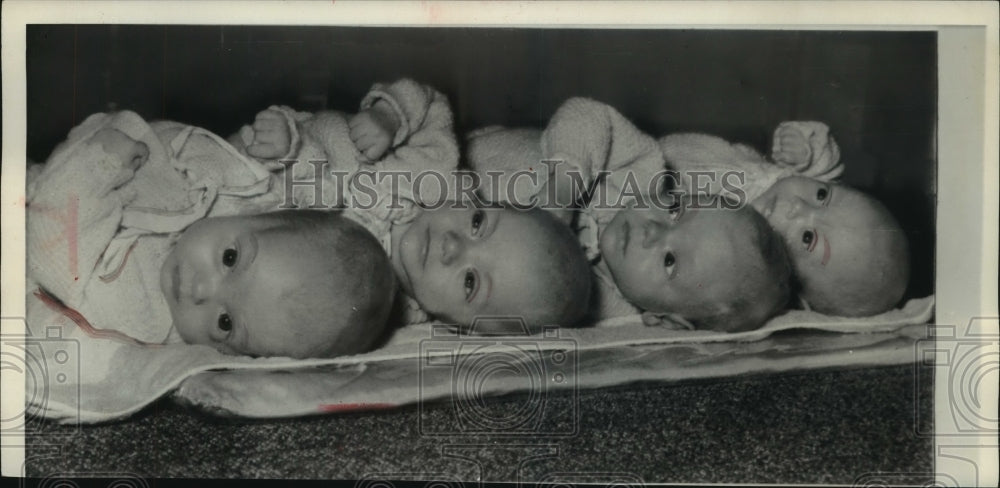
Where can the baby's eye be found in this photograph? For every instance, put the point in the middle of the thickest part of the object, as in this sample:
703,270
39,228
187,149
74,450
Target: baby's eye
225,323
470,285
808,237
477,220
821,194
669,260
229,257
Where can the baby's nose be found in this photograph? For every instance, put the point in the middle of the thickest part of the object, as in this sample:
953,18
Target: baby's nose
203,289
651,233
796,209
451,248
130,152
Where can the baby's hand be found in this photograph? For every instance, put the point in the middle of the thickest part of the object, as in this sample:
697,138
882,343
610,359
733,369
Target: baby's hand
128,155
791,147
131,154
271,136
373,129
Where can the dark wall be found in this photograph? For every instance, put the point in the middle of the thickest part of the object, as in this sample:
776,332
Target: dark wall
876,90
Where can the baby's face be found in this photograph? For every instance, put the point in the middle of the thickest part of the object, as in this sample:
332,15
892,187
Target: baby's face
459,263
835,237
682,260
227,281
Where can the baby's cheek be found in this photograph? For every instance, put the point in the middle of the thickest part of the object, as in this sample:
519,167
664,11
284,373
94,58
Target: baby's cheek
184,329
813,277
430,299
188,329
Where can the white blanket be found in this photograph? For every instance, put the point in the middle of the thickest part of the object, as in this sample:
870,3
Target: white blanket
105,380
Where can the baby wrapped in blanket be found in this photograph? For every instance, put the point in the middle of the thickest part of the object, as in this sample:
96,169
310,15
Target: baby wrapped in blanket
109,243
153,234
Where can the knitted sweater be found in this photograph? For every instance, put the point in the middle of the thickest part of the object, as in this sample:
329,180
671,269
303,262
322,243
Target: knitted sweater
713,157
425,141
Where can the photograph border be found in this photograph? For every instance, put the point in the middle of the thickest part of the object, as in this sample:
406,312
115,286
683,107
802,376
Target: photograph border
967,146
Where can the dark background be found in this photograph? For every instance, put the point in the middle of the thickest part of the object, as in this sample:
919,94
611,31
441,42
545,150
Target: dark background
876,90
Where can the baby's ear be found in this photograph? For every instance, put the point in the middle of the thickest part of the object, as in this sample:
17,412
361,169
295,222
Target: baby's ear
666,320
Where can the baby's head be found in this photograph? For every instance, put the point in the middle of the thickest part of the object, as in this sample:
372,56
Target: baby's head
464,261
297,283
718,268
850,255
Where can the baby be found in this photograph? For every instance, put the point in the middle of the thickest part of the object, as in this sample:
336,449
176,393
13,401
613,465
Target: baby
294,283
150,234
850,255
465,263
710,268
455,261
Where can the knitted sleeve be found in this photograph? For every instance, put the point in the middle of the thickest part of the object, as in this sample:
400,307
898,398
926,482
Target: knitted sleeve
245,136
426,136
600,144
710,164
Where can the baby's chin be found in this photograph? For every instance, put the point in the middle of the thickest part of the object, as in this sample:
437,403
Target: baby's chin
694,308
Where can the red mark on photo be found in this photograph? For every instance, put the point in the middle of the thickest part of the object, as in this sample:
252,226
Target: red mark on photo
434,11
352,407
56,305
112,276
68,217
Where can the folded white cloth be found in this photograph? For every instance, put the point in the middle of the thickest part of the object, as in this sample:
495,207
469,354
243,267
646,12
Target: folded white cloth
420,361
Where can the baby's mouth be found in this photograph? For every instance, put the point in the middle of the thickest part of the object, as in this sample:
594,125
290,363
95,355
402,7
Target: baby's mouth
626,234
175,282
424,248
409,260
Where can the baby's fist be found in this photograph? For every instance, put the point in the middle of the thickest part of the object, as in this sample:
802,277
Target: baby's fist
791,147
127,155
372,131
271,135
